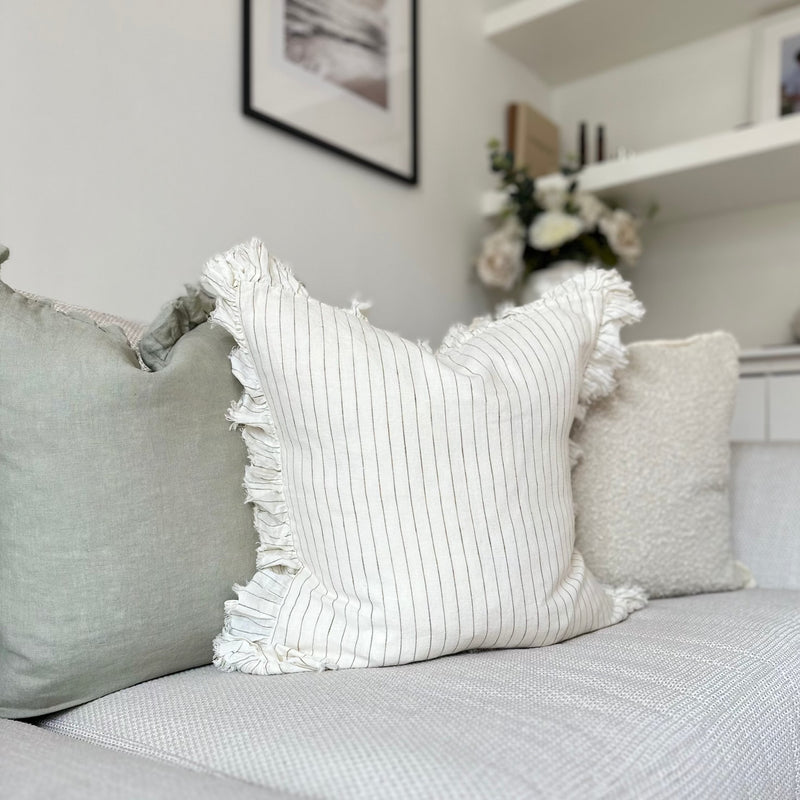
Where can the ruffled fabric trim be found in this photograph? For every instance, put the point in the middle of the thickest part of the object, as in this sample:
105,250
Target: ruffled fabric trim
625,600
174,321
233,653
609,355
245,643
748,580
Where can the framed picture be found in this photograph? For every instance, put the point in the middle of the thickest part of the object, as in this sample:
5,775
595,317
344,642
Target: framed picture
339,73
776,66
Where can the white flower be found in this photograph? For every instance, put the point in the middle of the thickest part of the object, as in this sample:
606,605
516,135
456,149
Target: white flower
551,229
622,232
500,261
590,209
550,191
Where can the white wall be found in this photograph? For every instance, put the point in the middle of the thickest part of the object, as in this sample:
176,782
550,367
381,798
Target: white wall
125,163
737,271
690,91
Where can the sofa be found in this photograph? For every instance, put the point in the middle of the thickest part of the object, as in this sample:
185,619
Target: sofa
691,697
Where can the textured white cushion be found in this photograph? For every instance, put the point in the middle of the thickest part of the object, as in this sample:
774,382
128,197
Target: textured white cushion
410,504
651,489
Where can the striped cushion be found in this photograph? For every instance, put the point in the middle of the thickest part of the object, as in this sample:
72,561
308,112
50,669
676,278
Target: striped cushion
411,504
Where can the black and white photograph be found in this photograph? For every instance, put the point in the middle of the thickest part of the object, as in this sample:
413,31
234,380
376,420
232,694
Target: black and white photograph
790,75
341,74
776,66
341,41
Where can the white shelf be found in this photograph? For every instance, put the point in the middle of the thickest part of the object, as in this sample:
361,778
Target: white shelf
730,171
564,40
770,360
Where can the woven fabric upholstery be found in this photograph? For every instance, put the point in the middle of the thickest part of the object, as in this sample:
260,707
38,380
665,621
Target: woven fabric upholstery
36,764
411,504
694,697
765,488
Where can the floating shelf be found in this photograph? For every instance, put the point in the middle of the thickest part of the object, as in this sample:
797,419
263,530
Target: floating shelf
564,40
770,360
730,171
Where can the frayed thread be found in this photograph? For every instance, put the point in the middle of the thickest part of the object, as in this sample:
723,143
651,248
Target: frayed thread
745,575
358,307
625,600
256,611
232,653
619,308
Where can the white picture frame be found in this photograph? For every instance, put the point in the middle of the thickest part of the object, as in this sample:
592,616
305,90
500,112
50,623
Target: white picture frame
775,45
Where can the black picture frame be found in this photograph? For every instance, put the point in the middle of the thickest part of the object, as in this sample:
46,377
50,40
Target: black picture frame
408,173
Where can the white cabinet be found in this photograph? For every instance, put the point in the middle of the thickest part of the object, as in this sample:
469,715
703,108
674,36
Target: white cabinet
750,413
783,408
768,398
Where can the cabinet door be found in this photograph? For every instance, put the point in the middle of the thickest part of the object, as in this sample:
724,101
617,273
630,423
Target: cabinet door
784,408
749,414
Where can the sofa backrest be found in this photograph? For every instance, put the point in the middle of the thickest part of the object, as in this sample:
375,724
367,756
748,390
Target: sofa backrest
765,499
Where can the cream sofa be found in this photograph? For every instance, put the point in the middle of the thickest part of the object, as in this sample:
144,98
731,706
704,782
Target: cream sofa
693,697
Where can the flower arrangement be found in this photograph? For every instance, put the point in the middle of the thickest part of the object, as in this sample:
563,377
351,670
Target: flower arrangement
548,220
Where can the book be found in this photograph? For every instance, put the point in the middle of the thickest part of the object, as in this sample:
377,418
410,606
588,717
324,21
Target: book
533,138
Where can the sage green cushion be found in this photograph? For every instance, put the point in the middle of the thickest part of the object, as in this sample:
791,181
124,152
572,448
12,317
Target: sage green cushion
122,517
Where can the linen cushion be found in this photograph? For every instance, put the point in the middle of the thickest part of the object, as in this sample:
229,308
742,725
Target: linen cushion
133,330
410,504
122,520
651,489
691,697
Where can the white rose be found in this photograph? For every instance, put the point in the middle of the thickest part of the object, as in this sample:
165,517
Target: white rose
551,229
590,209
500,261
622,232
550,191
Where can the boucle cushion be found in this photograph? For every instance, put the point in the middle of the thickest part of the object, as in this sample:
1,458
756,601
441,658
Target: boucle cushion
410,504
122,521
651,489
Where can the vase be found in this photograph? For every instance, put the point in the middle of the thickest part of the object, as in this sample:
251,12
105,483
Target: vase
541,281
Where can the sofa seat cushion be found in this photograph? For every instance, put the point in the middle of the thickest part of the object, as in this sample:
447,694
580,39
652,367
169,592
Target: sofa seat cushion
692,697
37,764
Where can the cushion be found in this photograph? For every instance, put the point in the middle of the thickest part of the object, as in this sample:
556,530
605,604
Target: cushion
122,519
691,697
651,489
133,330
410,504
